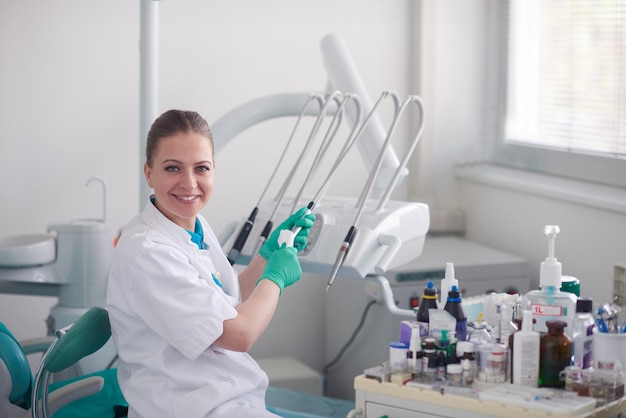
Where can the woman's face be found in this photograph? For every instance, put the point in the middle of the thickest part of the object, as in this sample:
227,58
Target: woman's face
182,176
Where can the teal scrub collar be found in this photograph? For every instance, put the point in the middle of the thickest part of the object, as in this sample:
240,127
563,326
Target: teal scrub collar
197,236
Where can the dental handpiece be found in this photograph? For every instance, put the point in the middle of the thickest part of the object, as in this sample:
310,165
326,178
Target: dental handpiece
341,256
287,236
242,237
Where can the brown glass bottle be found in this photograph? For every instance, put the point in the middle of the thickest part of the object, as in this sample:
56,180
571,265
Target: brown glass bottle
555,354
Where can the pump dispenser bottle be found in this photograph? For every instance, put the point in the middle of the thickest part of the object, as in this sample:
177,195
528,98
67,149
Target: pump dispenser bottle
549,303
446,284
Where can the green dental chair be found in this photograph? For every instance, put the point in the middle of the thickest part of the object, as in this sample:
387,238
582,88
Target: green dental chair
21,396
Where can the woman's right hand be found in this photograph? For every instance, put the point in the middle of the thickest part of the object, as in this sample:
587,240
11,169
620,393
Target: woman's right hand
283,267
300,219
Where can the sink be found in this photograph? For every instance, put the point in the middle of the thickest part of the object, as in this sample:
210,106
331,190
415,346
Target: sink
27,250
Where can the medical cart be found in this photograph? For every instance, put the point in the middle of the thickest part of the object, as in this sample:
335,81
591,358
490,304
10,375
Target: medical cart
376,399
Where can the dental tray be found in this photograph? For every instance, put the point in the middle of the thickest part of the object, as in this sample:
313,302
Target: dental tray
550,400
27,250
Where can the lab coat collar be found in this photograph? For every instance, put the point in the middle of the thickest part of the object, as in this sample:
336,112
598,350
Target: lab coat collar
155,219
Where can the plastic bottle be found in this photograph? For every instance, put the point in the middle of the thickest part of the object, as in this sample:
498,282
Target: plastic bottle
555,355
496,364
549,303
442,365
415,354
570,284
466,352
517,326
429,372
480,335
429,301
582,334
454,306
525,360
398,356
447,282
429,359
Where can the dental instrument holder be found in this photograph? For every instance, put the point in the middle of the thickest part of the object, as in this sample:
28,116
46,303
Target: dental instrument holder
386,239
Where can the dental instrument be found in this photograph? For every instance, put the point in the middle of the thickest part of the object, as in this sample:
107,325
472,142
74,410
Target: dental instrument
289,236
333,127
247,226
347,241
352,138
332,98
388,238
343,250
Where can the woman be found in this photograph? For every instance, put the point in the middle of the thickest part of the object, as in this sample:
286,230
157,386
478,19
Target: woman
182,318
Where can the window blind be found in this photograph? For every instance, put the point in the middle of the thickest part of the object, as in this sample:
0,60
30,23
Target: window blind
566,75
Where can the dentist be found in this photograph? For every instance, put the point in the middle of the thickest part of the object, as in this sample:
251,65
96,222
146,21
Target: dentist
182,318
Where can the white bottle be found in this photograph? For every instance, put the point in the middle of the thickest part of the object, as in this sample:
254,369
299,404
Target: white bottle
550,303
582,334
446,284
526,353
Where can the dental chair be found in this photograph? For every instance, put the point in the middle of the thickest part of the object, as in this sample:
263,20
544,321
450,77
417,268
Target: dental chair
22,396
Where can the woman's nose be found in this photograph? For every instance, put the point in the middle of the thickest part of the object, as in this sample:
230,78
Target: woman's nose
188,180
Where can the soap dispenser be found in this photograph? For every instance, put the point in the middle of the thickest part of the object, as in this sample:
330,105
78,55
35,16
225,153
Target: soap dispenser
549,303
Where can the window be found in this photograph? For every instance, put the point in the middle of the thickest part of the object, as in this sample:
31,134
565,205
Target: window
565,88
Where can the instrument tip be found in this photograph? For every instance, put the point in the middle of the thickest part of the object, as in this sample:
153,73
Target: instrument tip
327,287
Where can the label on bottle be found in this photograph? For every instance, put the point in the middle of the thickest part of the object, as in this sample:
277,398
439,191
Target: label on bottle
547,310
582,347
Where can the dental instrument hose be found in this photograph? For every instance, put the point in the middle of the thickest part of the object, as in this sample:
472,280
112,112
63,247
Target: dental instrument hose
241,239
346,345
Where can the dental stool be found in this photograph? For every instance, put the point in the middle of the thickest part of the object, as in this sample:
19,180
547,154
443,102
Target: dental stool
18,390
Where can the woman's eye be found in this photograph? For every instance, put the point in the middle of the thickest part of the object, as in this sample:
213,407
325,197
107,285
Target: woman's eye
171,168
203,168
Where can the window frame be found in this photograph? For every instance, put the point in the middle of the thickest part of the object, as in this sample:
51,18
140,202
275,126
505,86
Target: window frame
602,169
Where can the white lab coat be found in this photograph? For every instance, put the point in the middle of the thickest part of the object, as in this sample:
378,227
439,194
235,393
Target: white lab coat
166,311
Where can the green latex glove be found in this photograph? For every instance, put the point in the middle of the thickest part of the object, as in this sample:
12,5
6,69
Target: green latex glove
283,267
298,219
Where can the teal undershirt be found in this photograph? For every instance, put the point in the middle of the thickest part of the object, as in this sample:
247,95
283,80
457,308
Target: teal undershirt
197,237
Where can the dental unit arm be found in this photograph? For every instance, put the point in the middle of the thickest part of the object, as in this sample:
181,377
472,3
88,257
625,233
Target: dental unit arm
390,233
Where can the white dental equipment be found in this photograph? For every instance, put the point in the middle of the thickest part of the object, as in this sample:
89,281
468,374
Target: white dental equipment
70,262
390,235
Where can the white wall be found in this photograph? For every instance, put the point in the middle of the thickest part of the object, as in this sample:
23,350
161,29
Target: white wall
69,109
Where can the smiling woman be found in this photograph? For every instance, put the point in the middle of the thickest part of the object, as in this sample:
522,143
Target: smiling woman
182,318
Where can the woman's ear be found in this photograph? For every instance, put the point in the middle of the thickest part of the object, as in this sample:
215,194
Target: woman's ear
147,172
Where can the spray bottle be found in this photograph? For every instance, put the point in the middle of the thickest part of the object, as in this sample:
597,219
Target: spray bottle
525,354
446,284
549,303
